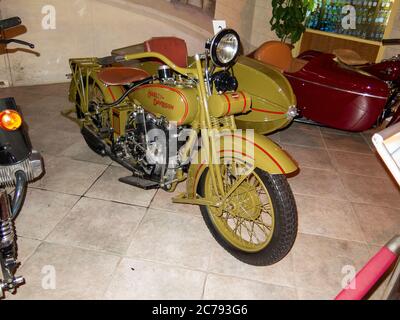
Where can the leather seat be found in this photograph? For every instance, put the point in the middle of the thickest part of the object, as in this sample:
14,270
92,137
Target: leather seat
119,76
173,48
349,57
279,55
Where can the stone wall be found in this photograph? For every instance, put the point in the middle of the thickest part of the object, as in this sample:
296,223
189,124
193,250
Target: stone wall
239,15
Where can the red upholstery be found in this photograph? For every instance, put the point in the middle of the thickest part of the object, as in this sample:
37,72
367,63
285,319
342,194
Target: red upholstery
173,48
119,76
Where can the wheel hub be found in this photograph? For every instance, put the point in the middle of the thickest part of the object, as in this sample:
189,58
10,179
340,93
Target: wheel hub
244,203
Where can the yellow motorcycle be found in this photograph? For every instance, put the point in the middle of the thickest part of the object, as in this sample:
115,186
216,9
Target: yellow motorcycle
170,118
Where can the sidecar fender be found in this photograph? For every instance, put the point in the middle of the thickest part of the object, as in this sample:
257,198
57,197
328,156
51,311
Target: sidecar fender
252,148
273,100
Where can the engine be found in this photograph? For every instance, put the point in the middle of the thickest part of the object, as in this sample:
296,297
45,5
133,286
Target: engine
151,145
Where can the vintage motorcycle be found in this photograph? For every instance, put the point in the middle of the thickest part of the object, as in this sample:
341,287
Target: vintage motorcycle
19,164
169,118
339,90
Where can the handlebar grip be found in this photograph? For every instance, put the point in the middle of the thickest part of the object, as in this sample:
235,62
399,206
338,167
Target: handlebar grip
10,23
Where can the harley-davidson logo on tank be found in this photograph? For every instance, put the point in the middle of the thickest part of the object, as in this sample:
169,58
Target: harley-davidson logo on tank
177,105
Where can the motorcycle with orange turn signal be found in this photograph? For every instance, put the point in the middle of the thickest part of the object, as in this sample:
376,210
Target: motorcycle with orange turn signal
19,165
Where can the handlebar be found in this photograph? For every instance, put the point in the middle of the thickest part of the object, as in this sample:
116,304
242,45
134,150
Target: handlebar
7,41
10,23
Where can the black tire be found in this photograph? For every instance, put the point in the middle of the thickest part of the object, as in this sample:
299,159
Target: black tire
93,145
284,233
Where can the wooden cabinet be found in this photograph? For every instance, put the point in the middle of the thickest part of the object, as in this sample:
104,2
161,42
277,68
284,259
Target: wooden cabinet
371,27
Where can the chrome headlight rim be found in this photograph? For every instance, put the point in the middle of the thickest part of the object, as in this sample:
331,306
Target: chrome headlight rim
214,46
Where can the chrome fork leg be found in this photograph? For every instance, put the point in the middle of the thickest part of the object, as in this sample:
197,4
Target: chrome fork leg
8,260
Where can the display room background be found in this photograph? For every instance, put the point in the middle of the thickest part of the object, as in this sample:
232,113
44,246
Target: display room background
348,205
95,27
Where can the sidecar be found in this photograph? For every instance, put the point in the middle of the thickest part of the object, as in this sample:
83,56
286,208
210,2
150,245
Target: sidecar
273,100
328,92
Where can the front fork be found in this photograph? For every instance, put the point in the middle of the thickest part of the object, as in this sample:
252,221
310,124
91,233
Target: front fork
8,246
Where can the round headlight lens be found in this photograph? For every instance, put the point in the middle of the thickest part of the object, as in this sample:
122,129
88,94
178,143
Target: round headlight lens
225,47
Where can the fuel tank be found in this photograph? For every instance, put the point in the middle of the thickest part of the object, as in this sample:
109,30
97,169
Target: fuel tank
177,104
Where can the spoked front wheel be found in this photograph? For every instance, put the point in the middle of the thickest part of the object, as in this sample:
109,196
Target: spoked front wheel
258,222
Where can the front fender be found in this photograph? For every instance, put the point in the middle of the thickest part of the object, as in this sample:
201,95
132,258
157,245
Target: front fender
251,148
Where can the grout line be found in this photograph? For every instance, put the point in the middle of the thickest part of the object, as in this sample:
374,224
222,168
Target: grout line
204,286
135,231
112,277
33,252
62,219
333,238
344,200
96,180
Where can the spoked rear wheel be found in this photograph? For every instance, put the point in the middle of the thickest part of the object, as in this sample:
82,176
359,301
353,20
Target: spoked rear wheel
258,223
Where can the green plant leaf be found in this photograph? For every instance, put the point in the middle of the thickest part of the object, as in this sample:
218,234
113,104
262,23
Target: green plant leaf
289,17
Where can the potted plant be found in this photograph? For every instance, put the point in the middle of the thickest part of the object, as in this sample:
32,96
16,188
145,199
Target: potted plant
288,18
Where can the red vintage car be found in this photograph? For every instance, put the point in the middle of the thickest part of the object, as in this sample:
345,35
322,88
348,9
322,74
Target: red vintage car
338,90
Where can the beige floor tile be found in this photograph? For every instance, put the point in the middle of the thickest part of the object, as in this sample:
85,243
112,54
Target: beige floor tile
53,121
22,98
329,218
315,295
319,183
25,248
109,188
230,288
302,135
69,176
51,141
374,191
275,137
163,201
139,280
319,262
175,235
98,225
60,89
378,224
79,274
310,157
326,130
224,263
368,136
42,211
353,163
172,238
346,143
80,151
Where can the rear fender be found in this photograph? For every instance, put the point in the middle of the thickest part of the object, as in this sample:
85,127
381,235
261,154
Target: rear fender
89,76
256,149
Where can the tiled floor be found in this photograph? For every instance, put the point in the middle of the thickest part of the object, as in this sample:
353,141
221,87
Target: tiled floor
104,239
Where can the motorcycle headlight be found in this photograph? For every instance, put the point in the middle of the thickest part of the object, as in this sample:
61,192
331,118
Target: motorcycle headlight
225,48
